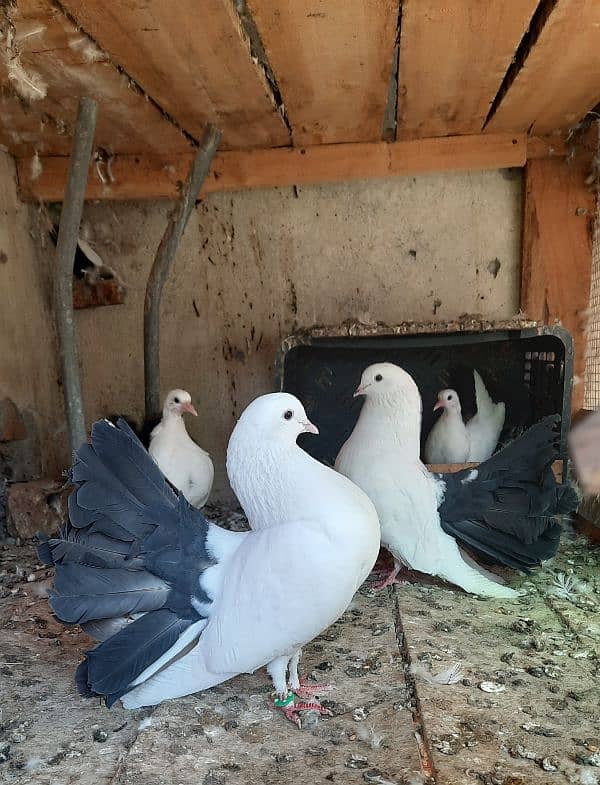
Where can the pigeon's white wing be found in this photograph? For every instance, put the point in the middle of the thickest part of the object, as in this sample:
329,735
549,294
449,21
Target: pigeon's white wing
269,604
266,607
200,477
414,535
186,465
407,497
485,427
448,441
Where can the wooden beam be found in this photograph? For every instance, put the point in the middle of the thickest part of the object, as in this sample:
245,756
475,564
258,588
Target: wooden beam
53,51
137,177
453,57
559,80
332,60
194,59
557,250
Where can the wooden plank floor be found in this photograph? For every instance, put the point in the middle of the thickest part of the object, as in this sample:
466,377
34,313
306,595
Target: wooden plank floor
541,727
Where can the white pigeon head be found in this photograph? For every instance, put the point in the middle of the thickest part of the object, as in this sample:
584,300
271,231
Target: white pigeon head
177,402
386,382
448,400
276,417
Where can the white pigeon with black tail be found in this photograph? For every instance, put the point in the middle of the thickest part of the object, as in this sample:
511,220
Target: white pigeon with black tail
183,462
180,604
505,511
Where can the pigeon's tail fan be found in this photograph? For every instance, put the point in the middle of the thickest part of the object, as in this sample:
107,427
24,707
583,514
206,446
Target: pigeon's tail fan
128,563
475,581
509,508
496,547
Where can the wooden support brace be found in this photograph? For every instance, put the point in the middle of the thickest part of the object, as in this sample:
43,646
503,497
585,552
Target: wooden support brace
163,260
66,246
158,177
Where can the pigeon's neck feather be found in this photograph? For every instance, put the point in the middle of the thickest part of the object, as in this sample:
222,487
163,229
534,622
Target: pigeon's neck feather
277,483
392,420
260,475
173,423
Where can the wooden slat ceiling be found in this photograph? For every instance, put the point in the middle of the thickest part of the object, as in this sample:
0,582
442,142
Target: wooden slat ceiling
193,59
294,73
51,49
332,60
453,58
560,79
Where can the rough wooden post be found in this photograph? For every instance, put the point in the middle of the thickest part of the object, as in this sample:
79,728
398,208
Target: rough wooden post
557,250
66,245
163,260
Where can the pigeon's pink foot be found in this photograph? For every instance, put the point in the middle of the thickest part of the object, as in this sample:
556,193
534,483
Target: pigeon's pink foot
310,689
290,707
291,711
390,579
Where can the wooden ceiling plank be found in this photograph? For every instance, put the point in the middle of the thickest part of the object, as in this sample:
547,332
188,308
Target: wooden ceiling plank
233,170
332,60
558,82
453,58
194,60
49,48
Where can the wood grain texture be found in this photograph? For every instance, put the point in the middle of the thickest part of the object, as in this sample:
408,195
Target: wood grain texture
560,79
50,48
453,58
557,250
332,60
194,60
144,177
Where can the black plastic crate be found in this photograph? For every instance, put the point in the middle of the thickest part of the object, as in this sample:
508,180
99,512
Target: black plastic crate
531,370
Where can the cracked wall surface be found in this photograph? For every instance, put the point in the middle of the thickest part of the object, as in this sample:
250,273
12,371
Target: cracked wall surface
254,267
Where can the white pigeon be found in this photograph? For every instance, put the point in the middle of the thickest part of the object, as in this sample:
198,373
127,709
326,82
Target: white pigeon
185,465
451,441
448,440
194,604
505,510
485,427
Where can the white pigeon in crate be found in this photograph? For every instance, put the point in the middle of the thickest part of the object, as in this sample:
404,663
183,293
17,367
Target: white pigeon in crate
451,441
485,427
448,440
185,465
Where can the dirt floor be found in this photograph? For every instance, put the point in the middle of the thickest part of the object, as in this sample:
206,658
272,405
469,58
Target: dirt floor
431,685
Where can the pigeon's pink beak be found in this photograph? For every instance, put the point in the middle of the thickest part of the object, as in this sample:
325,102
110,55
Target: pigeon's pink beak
308,427
360,390
187,407
439,405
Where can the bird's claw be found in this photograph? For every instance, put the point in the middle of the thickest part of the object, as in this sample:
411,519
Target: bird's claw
307,689
290,706
391,579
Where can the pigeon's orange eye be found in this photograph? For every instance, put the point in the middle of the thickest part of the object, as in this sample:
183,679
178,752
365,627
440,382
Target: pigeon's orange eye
288,415
378,378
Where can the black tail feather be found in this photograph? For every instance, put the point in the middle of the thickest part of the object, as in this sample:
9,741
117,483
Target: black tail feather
81,680
115,663
498,548
44,550
508,508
